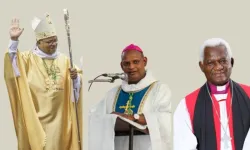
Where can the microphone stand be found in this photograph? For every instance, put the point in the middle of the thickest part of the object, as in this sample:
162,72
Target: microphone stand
112,80
131,128
102,80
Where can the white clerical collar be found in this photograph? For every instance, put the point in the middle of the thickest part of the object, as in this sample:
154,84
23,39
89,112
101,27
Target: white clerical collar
41,54
221,88
143,83
220,97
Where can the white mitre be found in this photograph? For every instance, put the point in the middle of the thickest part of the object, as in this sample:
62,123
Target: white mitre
43,28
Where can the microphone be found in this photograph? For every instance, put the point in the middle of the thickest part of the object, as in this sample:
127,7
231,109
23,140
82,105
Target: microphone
114,75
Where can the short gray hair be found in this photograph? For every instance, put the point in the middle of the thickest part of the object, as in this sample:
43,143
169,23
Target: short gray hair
213,42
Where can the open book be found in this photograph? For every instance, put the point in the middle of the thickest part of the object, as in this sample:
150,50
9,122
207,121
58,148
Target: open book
122,124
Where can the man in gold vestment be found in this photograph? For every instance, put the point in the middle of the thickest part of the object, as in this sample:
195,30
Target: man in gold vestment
40,88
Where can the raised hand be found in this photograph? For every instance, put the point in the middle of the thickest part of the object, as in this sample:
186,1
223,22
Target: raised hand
15,30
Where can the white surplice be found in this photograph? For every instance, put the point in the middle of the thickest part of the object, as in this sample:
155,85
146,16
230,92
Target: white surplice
156,109
247,142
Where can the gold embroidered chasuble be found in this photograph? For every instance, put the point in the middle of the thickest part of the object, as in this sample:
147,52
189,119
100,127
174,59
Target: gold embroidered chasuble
42,109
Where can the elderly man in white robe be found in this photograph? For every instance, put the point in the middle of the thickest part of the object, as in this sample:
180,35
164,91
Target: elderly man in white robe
149,104
215,116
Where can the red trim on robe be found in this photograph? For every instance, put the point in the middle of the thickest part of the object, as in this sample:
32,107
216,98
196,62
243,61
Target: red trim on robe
190,103
246,89
217,125
230,111
217,121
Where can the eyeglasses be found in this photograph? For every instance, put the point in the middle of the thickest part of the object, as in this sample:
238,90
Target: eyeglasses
51,42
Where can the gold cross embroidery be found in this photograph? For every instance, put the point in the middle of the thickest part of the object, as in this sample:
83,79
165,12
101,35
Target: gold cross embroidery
48,19
128,107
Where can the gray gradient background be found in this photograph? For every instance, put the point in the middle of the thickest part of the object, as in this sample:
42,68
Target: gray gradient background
169,32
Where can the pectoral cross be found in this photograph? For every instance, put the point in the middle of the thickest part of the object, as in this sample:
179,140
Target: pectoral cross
128,107
226,140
